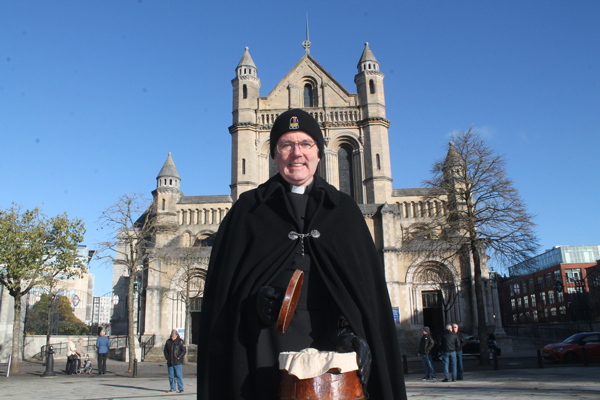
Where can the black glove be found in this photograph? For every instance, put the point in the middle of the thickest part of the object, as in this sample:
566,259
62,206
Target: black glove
346,341
268,304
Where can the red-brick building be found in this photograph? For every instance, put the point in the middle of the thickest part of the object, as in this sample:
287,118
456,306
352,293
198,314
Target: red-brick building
560,285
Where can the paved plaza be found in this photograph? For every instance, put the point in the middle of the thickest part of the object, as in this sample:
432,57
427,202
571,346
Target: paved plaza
520,380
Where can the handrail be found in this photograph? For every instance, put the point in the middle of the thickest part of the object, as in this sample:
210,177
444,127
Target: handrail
147,346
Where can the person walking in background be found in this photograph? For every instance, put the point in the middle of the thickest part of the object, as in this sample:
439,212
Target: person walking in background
449,346
71,356
425,346
102,344
459,353
80,352
174,352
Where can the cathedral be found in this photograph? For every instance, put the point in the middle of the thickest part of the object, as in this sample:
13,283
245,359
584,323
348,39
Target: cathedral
357,161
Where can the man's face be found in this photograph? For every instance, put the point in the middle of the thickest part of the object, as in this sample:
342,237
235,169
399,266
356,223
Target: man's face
455,328
297,167
173,337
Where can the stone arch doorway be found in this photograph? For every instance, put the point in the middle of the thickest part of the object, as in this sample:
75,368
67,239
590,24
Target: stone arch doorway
433,311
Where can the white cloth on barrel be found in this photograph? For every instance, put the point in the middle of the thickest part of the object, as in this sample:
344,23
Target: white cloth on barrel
310,363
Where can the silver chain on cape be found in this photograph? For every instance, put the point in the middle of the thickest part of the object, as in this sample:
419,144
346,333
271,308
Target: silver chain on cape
295,236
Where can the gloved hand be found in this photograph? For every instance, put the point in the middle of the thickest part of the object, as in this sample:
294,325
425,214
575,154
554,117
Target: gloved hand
268,303
346,341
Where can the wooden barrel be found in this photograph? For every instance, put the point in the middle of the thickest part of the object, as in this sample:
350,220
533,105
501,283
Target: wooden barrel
332,385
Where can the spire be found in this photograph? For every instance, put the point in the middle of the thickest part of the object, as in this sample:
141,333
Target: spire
452,158
246,60
367,60
306,43
168,169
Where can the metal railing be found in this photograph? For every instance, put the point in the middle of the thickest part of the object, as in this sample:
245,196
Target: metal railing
147,345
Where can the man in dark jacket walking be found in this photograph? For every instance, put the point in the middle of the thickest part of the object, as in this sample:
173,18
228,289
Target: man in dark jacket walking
174,352
425,347
459,353
449,345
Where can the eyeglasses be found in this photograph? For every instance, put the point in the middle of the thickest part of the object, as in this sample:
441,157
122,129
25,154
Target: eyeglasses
286,148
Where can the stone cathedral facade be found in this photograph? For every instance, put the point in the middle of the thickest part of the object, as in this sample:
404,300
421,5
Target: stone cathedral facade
357,161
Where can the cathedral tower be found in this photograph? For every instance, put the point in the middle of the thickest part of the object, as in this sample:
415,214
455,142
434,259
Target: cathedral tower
167,194
246,86
371,100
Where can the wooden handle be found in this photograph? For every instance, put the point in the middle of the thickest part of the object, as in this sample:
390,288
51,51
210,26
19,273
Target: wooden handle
290,301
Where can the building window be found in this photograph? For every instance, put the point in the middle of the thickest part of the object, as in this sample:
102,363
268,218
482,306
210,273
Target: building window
519,303
245,92
562,310
543,296
551,296
560,297
573,275
243,166
548,280
308,96
346,170
524,286
525,302
540,283
553,311
163,204
513,304
531,286
532,300
372,86
378,161
512,290
535,316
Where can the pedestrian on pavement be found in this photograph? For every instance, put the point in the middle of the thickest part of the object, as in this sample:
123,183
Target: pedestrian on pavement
448,347
174,352
102,344
425,346
459,353
80,352
71,356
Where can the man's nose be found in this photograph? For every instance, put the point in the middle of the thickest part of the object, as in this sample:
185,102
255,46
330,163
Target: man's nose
296,150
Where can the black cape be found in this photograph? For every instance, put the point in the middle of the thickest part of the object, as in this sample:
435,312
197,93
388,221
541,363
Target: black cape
250,248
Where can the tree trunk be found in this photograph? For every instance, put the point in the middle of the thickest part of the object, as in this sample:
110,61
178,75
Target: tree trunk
484,358
16,340
186,339
130,322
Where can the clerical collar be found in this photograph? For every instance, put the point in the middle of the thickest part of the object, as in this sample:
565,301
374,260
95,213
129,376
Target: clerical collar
301,189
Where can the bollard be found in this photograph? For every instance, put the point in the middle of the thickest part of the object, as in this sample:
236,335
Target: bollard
49,373
586,362
539,357
405,364
8,368
495,359
134,368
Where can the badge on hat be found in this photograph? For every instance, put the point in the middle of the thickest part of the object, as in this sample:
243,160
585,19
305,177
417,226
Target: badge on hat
294,123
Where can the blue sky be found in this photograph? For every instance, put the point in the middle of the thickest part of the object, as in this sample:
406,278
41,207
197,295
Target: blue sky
94,94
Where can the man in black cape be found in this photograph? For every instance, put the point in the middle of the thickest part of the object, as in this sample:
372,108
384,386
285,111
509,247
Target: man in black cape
295,220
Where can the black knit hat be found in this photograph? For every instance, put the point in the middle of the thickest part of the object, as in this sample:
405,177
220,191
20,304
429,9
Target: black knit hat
296,120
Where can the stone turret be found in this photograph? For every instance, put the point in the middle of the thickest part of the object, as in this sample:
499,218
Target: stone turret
167,193
371,100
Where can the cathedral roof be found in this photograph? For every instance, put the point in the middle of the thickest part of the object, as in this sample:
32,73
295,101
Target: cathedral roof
169,169
246,60
224,198
367,55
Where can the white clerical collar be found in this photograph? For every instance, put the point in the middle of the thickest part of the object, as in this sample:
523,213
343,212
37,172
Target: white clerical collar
298,189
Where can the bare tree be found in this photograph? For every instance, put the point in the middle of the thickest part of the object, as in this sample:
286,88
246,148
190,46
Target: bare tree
33,250
485,215
130,226
188,278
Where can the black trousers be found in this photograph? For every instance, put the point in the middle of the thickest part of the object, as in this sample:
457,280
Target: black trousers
102,362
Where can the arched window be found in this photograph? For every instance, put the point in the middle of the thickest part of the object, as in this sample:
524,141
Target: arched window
308,96
371,86
163,204
345,170
170,181
245,91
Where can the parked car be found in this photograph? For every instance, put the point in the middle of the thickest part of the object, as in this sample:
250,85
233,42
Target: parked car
471,348
569,350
